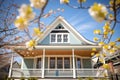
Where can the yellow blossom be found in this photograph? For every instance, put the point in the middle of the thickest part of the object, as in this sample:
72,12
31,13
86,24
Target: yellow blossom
97,55
111,51
105,66
112,32
64,1
112,43
104,55
105,74
117,2
101,60
115,48
81,1
26,12
38,3
111,2
95,39
37,31
94,49
98,12
118,40
92,54
106,47
97,31
106,27
31,43
105,32
21,23
105,36
111,17
101,43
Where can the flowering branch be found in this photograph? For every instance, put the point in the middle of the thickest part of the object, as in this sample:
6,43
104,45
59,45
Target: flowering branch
42,11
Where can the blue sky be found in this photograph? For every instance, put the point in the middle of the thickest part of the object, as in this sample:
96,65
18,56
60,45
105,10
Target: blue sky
78,18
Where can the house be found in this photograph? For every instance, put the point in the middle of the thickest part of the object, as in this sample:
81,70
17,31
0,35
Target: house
5,65
61,53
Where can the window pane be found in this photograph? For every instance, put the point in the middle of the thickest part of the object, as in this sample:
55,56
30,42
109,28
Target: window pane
86,63
53,38
78,64
67,62
59,39
59,63
38,63
65,38
52,62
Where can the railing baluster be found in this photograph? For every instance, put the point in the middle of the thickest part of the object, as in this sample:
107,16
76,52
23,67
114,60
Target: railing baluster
52,73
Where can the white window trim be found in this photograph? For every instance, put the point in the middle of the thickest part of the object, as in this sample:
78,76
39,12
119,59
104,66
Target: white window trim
61,37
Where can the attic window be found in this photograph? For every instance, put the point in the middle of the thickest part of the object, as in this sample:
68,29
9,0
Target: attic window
59,27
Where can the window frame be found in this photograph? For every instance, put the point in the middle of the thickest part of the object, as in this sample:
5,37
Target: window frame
56,38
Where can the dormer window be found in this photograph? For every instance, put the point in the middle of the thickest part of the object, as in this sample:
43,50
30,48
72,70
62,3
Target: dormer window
65,38
53,38
59,38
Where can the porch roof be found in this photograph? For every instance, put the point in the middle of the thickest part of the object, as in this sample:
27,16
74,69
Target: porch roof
55,50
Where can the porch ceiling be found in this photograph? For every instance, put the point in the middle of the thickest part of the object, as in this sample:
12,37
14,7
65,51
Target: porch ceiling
35,53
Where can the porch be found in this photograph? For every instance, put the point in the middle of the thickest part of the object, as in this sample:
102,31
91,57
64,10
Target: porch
56,62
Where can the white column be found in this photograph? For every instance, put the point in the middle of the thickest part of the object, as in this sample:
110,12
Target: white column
43,63
11,64
74,71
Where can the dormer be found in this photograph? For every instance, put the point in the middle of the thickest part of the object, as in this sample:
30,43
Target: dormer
59,35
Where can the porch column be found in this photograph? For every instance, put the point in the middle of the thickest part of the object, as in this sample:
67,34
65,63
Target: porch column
43,63
11,64
74,71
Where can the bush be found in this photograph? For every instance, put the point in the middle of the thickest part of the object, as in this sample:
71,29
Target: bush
79,78
32,78
89,78
22,78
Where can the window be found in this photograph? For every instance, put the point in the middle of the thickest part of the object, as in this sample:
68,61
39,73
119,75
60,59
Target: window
53,38
59,38
52,62
65,38
78,64
59,62
86,63
38,63
66,62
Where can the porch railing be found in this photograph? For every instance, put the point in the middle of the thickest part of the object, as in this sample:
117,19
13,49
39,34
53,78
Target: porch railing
56,73
26,72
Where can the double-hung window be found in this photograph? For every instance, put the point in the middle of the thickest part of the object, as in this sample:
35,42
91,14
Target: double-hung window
65,38
38,63
59,38
53,38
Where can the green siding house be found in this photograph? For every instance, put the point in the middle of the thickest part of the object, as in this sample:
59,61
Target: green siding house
61,53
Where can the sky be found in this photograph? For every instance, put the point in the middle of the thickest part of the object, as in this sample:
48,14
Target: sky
78,18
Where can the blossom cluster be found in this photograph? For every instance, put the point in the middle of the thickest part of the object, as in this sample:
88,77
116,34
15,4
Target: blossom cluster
26,14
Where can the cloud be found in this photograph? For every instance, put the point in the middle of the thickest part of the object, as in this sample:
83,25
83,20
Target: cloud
77,19
86,26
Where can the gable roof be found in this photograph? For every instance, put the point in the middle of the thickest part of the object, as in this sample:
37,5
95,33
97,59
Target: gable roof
61,20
